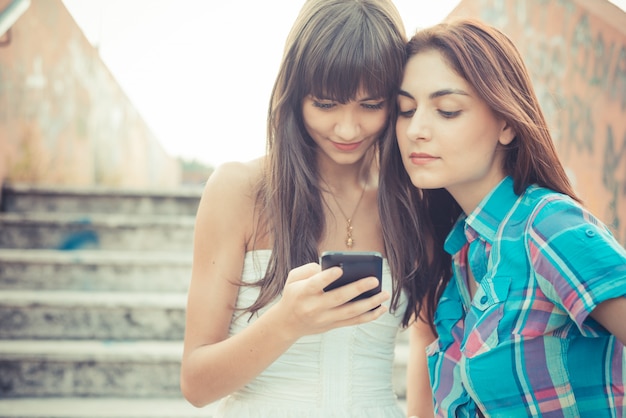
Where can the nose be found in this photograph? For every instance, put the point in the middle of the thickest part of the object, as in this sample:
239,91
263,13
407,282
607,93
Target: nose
348,125
418,126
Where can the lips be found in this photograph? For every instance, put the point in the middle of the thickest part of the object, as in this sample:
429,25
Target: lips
347,147
421,158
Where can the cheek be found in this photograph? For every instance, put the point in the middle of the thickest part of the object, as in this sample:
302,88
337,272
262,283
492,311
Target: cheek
306,116
401,129
403,142
375,123
316,122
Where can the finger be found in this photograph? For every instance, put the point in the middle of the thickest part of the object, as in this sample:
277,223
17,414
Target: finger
368,304
303,272
349,291
362,317
328,276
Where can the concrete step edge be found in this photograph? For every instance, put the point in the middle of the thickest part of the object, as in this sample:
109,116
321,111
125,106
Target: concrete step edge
57,190
102,408
130,257
91,299
95,219
79,350
92,350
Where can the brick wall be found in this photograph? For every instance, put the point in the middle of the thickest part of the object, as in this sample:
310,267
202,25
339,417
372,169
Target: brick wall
576,53
63,118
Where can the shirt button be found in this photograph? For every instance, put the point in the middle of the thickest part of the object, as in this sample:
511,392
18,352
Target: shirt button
590,233
484,300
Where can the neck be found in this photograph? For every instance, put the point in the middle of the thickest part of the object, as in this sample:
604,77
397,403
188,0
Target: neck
341,178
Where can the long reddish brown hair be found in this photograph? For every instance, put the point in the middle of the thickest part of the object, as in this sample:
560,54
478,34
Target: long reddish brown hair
416,222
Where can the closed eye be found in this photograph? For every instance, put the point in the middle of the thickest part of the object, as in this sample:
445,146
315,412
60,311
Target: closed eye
406,113
449,115
373,106
324,105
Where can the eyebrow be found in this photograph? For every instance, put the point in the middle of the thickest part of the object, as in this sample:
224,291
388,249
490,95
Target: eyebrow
438,93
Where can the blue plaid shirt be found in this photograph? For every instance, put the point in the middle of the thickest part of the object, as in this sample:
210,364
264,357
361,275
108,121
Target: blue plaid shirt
524,345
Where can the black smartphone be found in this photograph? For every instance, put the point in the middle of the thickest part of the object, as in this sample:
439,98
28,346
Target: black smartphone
355,265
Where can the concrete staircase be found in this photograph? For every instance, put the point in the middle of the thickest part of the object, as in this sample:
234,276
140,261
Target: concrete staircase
92,297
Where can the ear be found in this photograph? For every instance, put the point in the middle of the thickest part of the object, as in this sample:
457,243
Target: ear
507,135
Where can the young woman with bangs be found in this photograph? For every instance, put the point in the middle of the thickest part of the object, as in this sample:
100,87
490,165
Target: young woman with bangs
527,289
261,333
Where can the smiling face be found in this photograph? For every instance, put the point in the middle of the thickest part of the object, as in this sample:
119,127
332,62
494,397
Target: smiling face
344,132
448,136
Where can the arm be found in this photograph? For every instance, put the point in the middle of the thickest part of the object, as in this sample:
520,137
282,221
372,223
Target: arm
580,266
214,365
611,314
419,392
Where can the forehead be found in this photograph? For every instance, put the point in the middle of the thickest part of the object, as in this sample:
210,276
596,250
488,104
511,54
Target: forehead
429,71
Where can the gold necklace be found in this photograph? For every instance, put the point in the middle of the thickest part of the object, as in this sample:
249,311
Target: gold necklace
349,239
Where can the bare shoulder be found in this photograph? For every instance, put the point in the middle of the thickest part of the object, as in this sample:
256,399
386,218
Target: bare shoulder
234,177
228,200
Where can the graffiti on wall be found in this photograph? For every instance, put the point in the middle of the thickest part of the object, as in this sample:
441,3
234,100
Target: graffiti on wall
577,60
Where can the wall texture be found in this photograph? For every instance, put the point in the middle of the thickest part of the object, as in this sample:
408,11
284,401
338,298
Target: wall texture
63,118
576,53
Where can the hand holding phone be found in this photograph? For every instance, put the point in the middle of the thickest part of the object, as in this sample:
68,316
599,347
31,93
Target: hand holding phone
355,266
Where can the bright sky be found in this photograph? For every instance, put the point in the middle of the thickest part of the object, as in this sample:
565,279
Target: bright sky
200,72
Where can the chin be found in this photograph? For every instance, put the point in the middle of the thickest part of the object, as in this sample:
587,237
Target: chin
423,182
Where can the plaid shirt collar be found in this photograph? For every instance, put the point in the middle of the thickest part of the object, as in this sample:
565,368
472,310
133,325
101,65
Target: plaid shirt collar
485,219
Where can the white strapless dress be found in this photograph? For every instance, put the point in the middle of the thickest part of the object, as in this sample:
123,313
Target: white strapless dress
346,372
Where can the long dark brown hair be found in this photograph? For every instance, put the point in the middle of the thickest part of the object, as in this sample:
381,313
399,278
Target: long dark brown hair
417,222
335,48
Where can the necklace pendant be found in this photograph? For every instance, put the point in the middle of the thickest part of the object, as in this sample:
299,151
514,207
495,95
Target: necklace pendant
349,240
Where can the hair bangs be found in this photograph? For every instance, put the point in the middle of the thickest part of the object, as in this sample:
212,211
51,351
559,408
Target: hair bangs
353,60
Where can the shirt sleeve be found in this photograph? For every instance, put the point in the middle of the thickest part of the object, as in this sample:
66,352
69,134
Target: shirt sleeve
577,261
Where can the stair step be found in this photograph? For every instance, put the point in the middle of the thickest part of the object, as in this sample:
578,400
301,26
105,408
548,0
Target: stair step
97,270
35,198
70,368
102,408
107,408
64,368
92,315
93,289
101,231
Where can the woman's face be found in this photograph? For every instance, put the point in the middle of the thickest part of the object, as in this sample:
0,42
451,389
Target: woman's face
345,132
448,136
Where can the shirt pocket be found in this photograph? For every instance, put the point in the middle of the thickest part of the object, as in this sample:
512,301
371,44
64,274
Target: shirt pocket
483,319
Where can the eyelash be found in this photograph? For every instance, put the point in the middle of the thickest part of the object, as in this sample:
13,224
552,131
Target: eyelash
444,114
366,106
449,115
376,106
324,106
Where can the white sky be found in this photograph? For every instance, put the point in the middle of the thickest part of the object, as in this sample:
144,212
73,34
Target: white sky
200,72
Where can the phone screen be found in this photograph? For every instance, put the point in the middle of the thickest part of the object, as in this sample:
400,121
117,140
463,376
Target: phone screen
355,266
